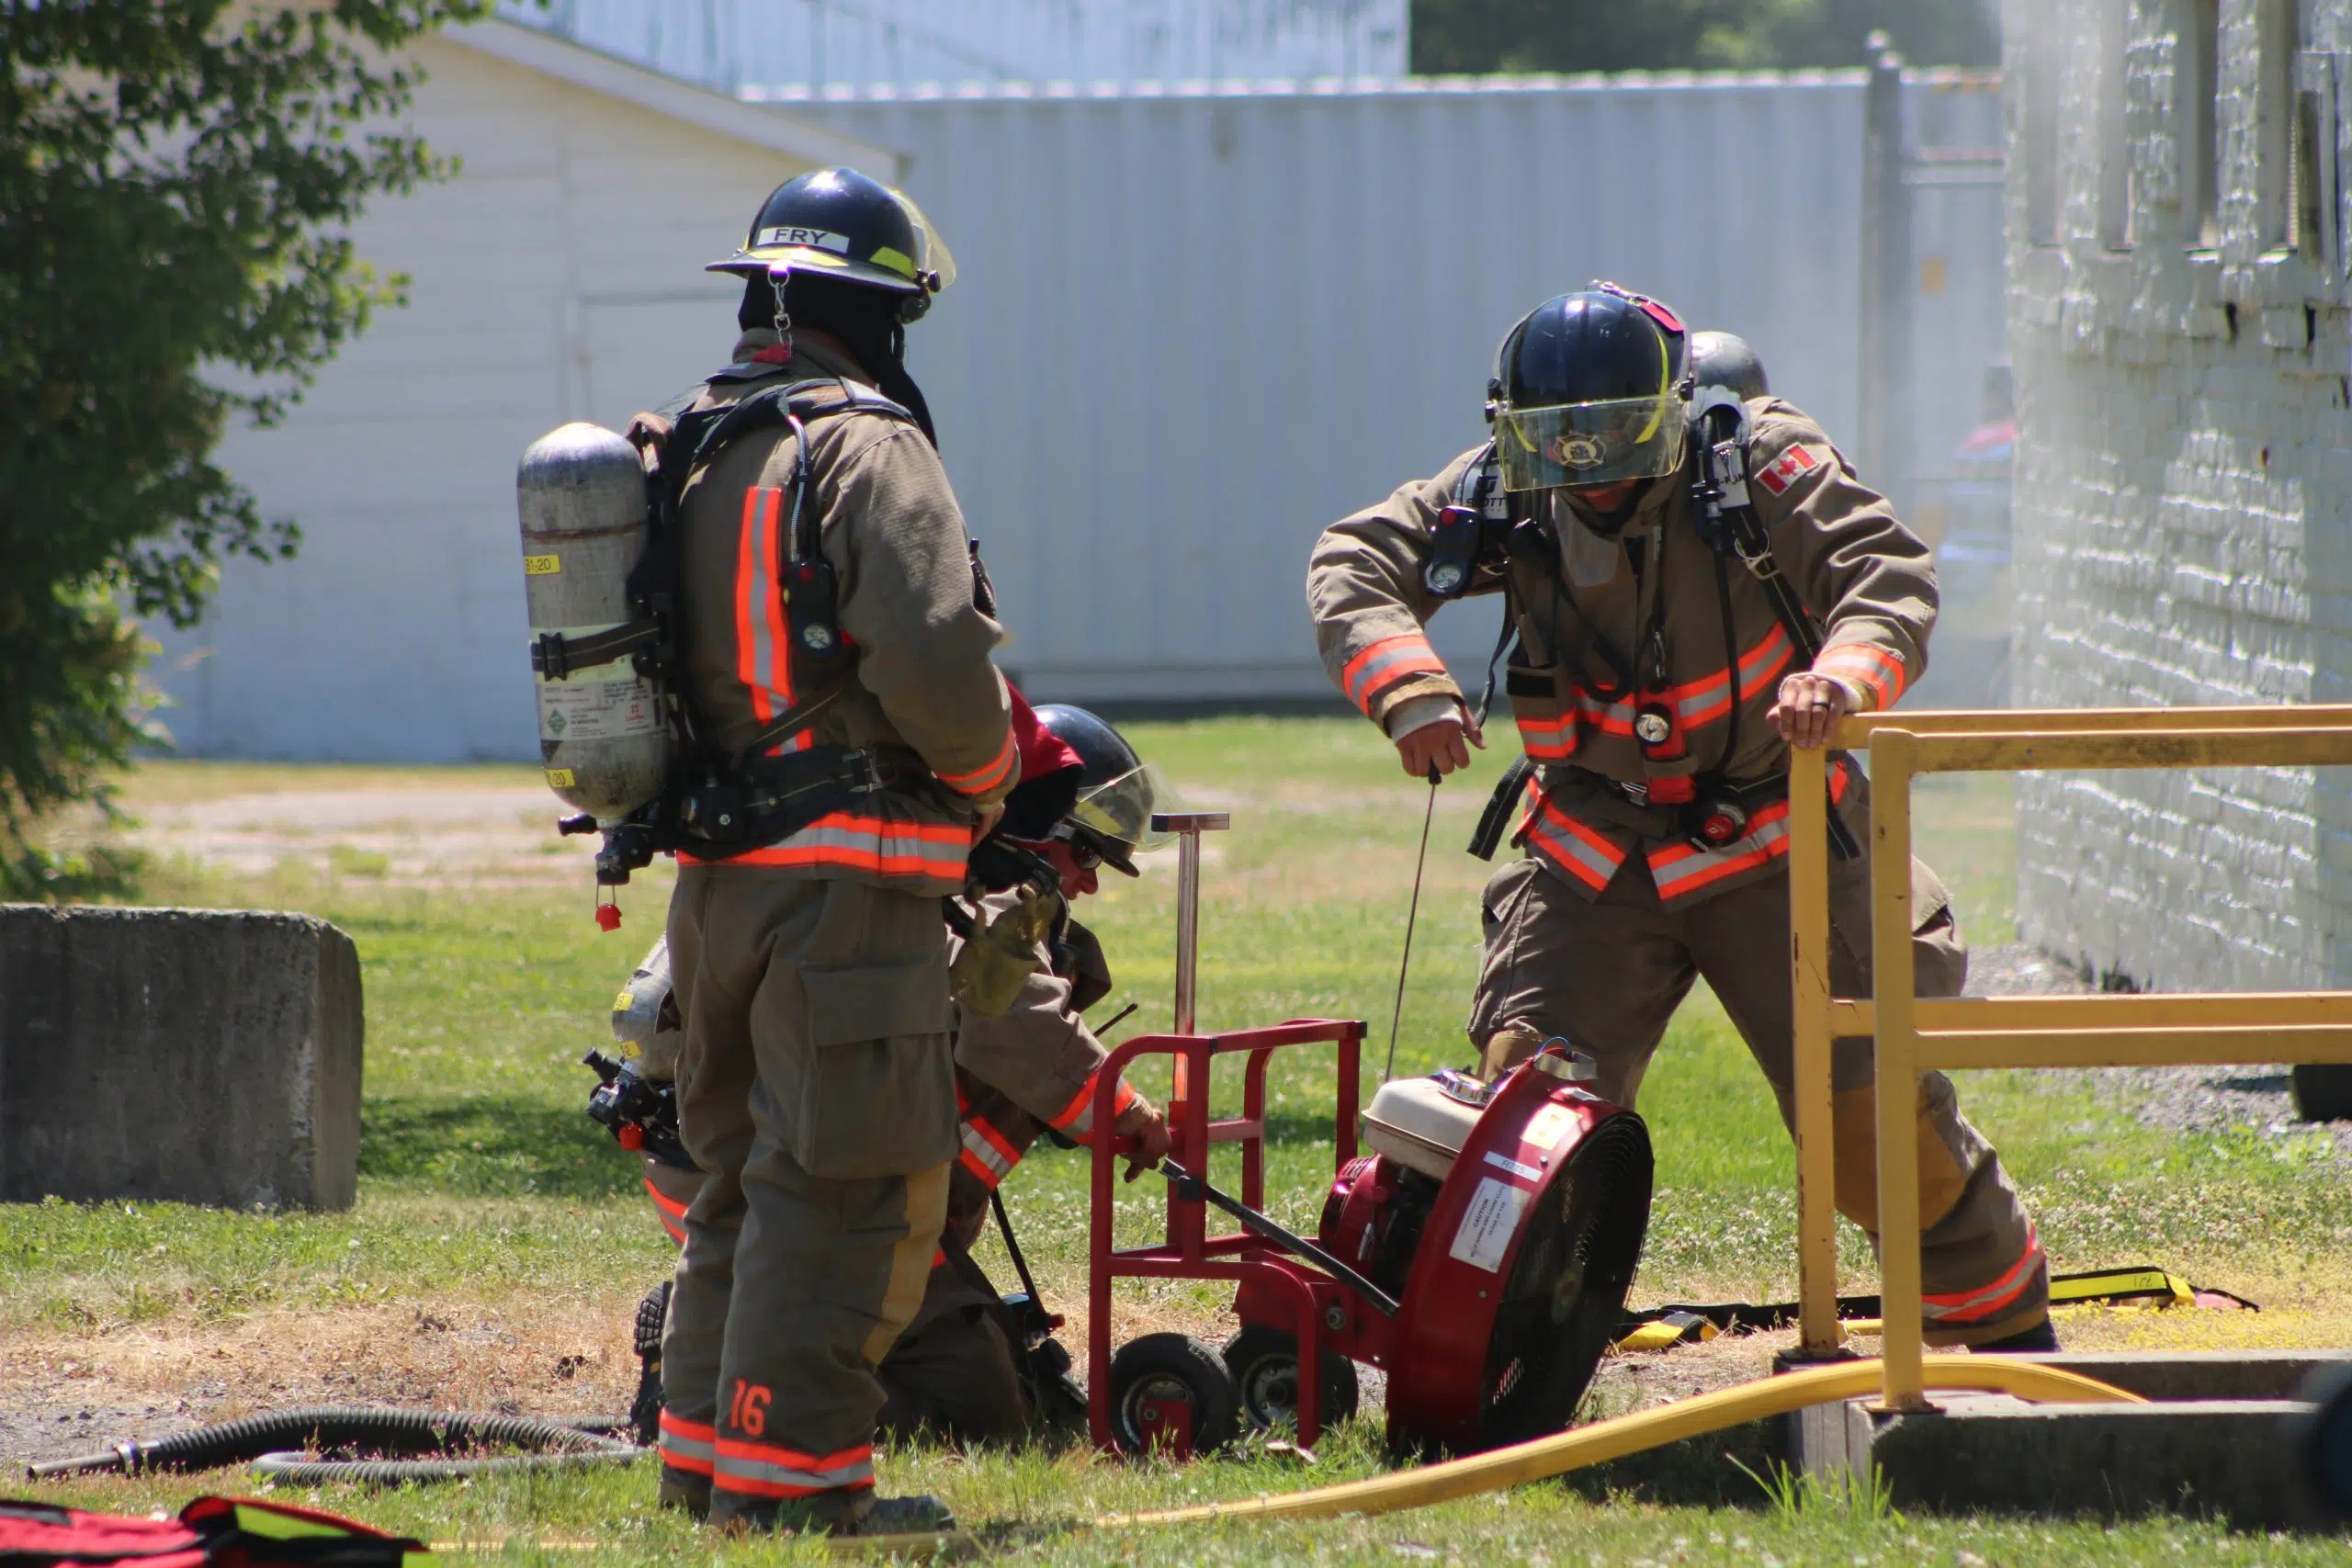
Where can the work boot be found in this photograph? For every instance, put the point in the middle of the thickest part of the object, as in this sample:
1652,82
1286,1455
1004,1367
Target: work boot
831,1513
2041,1339
685,1489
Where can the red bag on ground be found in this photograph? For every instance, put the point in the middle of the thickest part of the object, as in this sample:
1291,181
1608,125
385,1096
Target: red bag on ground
211,1532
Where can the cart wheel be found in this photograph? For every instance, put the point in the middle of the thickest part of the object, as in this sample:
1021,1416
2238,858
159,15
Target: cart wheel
1264,1364
2322,1092
1171,1367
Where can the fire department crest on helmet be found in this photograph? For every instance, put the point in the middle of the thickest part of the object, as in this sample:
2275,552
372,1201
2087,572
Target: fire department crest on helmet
1578,451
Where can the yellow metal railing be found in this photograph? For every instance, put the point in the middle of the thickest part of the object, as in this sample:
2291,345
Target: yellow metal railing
1914,1035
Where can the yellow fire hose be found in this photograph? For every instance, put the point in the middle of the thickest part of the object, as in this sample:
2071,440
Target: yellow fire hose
1623,1435
1542,1457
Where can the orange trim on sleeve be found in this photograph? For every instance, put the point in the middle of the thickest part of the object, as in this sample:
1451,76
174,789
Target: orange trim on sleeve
1874,670
982,779
1385,663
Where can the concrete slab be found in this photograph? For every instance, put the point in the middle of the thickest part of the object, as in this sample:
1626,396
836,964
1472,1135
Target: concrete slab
199,1056
2199,1374
2235,1459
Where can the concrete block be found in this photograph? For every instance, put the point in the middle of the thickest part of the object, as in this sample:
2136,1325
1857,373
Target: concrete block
179,1054
2228,1459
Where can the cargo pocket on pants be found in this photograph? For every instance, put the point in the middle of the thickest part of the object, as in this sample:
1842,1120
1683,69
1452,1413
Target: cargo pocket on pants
878,1097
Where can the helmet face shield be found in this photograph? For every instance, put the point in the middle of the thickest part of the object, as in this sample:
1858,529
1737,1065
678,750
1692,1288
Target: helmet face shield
1117,815
1589,443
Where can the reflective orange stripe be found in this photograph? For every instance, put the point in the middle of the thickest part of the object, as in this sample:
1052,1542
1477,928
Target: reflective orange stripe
1679,870
762,640
1986,1301
687,1445
1876,670
1549,740
1385,663
1573,847
882,845
769,1470
982,779
669,1211
1077,1118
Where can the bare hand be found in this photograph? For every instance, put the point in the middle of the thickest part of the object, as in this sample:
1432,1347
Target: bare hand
1147,1124
1443,744
989,817
1809,708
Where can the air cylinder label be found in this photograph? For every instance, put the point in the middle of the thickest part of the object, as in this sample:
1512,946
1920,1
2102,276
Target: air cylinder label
602,702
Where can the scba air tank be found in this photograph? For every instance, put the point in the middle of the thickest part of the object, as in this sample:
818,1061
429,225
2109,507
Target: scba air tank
581,492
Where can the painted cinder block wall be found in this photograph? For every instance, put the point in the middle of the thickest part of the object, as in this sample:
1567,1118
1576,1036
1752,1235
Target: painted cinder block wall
2184,479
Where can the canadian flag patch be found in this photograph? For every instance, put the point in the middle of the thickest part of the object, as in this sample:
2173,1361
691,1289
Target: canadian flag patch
1785,470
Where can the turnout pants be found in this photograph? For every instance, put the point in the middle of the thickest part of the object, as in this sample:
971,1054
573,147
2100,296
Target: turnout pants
1607,975
816,1089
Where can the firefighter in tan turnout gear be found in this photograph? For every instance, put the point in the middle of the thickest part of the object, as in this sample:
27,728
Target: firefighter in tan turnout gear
968,1368
1657,684
837,645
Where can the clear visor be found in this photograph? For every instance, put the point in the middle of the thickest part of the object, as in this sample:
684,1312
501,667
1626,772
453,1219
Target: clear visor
1121,810
936,258
1589,443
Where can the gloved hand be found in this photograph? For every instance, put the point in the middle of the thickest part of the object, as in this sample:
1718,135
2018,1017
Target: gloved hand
997,961
1147,1124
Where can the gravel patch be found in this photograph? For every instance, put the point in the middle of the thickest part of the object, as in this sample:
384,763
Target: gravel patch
2249,1098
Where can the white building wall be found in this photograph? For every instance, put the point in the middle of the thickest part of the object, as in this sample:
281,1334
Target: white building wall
2184,479
558,278
866,43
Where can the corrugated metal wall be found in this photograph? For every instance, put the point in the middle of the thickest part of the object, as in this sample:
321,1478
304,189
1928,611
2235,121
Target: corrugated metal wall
859,44
1195,326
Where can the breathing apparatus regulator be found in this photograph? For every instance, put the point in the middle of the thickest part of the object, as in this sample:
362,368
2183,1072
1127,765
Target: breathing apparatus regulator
1607,388
621,736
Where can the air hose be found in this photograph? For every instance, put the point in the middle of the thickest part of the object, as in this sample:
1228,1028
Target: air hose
279,1445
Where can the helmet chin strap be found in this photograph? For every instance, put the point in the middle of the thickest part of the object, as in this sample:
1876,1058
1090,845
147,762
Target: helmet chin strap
778,279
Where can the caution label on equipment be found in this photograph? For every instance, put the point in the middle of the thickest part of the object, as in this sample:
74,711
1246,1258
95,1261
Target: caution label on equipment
542,566
597,710
1485,1231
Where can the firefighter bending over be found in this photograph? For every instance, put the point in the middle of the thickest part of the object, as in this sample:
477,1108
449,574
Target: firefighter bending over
1658,685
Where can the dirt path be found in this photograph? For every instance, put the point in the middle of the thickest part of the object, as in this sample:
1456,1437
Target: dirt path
419,837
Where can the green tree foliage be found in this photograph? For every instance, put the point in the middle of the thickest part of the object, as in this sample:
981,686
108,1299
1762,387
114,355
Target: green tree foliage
176,180
1693,35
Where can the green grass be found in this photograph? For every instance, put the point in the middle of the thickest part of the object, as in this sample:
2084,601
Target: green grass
483,1183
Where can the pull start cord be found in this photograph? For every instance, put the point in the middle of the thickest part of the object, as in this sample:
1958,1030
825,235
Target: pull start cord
1412,910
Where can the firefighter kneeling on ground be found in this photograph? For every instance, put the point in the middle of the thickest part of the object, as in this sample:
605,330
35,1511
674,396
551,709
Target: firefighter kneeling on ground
1657,686
970,1368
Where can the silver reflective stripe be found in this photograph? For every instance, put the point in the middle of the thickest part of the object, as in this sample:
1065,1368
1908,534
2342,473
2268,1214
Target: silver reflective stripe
976,1145
1563,842
1761,840
1368,674
731,1467
687,1448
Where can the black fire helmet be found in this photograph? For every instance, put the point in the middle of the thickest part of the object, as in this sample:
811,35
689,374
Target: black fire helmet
1728,360
840,223
1117,791
1588,389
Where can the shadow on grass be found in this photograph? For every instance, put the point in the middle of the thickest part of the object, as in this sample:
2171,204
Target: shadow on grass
486,1147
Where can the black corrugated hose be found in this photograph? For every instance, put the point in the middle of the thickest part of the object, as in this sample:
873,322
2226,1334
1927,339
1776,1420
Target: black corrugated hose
280,1446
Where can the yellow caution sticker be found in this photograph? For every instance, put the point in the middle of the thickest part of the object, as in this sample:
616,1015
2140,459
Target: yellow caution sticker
560,777
623,1002
542,566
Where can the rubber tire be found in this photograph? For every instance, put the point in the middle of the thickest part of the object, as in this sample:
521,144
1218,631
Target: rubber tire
2322,1092
1258,1343
1158,1361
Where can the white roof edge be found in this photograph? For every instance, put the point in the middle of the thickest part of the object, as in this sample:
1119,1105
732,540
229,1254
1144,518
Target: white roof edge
761,127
